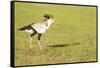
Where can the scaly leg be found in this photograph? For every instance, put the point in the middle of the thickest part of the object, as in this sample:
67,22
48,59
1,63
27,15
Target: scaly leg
40,46
39,37
30,42
30,38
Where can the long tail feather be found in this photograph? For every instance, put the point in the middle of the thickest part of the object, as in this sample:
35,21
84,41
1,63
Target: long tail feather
26,27
23,28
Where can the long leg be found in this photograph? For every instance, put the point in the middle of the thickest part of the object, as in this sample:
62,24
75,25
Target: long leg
31,38
30,41
39,37
33,34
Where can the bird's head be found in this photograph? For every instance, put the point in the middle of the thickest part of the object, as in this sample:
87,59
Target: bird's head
48,17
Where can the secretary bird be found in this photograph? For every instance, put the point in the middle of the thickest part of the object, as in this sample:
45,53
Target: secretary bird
38,28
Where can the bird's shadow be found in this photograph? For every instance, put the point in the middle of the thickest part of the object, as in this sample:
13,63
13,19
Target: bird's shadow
58,45
62,45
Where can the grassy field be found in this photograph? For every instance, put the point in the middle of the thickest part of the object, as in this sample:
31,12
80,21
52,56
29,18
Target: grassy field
71,38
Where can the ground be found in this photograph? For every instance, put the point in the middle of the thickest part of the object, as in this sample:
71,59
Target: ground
71,38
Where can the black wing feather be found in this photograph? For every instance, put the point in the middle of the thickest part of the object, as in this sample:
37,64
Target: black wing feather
26,27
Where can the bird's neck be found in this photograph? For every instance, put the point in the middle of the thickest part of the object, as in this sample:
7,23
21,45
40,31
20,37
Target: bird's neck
49,22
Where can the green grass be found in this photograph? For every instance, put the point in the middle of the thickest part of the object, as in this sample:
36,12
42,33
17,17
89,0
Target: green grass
73,24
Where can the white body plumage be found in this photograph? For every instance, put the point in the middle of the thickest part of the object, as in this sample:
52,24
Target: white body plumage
42,27
38,28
